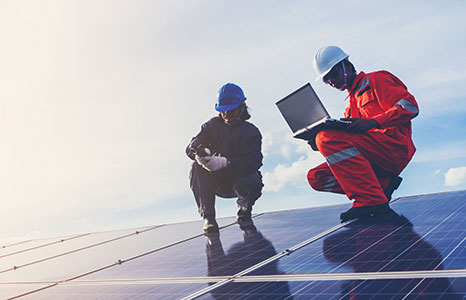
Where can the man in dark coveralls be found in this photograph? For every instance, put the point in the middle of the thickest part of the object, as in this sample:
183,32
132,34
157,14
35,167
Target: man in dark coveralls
227,157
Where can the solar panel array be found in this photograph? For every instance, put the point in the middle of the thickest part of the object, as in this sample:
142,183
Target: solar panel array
415,252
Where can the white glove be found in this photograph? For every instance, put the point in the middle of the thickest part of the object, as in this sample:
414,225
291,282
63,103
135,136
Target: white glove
212,163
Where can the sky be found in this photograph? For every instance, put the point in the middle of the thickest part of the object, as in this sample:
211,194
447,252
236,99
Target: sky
98,100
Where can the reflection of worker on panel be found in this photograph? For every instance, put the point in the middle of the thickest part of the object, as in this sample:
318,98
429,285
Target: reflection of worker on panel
227,154
386,246
253,250
365,159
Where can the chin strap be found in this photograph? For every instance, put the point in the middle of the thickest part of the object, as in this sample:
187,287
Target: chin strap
345,85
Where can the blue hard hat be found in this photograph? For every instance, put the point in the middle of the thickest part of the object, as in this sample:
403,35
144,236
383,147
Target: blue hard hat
229,97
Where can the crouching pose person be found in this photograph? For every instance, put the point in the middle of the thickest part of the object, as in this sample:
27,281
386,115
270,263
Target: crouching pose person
227,157
364,160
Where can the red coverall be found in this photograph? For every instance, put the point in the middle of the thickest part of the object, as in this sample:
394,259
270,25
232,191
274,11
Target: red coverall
360,164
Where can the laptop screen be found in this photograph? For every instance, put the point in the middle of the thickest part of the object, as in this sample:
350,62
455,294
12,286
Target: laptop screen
302,108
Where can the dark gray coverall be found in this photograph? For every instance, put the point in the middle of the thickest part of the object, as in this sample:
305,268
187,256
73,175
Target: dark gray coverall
241,145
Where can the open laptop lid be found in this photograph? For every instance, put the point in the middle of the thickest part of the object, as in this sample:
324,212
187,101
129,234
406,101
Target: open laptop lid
302,108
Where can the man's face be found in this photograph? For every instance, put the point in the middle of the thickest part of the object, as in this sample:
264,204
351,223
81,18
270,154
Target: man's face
336,78
231,116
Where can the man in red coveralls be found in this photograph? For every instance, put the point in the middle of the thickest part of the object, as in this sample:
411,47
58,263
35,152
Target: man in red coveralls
364,160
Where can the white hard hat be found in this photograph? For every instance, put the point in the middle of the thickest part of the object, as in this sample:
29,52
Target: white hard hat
326,58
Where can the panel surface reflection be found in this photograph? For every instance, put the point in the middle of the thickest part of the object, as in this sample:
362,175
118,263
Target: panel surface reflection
393,289
113,291
279,231
408,239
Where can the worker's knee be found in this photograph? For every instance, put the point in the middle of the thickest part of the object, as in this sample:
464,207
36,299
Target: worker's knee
321,179
312,178
249,190
323,137
250,187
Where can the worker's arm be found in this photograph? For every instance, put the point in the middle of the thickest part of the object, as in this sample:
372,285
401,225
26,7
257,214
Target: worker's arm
202,139
398,104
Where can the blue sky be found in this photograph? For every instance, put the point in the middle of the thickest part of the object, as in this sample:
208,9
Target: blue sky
98,100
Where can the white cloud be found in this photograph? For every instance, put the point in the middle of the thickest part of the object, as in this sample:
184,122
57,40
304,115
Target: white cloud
295,159
285,151
455,176
294,173
267,142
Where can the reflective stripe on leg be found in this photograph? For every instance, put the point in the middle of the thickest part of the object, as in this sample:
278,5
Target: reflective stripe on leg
328,187
342,155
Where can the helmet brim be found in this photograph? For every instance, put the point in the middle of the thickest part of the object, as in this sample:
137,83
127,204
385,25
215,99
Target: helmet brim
332,64
322,75
222,108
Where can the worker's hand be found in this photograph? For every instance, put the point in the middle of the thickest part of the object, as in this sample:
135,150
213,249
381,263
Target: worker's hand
191,150
360,125
212,163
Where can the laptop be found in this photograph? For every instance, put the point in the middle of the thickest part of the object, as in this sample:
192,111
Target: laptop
306,115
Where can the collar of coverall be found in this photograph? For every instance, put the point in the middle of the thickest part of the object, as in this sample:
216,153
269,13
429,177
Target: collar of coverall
355,84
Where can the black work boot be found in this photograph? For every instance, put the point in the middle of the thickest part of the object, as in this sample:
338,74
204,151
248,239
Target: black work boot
394,183
210,225
246,225
364,212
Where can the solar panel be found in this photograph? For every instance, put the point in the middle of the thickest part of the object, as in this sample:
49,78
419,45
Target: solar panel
93,251
417,252
7,291
115,291
238,249
9,249
391,243
437,288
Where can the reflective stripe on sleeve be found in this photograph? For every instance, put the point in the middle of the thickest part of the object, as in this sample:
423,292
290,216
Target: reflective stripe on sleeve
342,155
408,106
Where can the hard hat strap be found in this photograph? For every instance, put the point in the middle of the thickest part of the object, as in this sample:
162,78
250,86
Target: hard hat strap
344,73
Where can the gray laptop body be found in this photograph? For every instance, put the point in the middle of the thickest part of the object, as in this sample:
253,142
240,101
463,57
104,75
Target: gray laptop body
305,113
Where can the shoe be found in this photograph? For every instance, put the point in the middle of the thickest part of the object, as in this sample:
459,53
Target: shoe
246,224
244,214
394,183
210,225
213,239
365,211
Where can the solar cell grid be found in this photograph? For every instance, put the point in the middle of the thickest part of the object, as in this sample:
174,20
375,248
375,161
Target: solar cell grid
408,240
116,292
31,245
88,254
390,243
457,259
223,254
434,288
230,252
56,247
8,291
